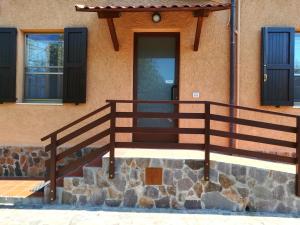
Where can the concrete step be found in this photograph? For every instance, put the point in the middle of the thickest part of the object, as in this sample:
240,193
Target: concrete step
79,171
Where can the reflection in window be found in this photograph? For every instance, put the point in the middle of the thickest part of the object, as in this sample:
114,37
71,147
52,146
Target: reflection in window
44,67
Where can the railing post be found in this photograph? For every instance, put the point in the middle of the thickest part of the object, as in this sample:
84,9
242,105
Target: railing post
53,168
112,141
297,189
206,141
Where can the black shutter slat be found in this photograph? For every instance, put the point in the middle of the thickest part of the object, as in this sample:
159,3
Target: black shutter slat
75,63
8,43
277,71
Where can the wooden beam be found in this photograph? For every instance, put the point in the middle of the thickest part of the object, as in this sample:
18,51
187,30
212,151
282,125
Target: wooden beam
113,33
199,14
202,13
198,33
105,15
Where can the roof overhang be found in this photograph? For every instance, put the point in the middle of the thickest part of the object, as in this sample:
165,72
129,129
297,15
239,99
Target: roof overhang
206,5
200,10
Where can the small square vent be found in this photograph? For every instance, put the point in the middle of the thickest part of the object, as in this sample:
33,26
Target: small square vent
153,176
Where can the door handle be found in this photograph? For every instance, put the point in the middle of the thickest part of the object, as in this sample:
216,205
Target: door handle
265,73
174,92
265,77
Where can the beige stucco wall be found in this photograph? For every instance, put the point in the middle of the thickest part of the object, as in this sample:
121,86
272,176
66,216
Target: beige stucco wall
110,73
255,14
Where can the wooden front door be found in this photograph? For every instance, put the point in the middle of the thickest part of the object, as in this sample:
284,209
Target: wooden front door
156,71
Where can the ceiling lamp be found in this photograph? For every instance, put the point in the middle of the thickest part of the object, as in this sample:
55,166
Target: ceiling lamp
156,18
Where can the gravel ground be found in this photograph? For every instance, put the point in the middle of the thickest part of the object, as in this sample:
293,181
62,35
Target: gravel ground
59,215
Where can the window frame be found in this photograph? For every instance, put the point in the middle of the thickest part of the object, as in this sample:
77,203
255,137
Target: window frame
32,100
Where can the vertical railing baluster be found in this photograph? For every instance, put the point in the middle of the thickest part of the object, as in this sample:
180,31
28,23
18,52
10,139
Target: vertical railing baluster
112,141
297,190
206,141
53,168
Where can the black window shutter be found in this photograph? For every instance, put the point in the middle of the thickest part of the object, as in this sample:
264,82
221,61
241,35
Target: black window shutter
277,77
8,47
75,61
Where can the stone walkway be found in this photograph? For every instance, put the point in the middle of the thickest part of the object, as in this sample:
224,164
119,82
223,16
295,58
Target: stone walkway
72,216
18,188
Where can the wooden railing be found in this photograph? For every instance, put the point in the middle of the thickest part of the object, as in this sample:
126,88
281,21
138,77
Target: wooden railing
206,130
53,172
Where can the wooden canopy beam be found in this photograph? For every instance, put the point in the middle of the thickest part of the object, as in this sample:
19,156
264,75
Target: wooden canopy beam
198,33
200,15
113,33
105,15
109,16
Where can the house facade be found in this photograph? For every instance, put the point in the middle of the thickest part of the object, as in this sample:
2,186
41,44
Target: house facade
109,73
34,105
164,72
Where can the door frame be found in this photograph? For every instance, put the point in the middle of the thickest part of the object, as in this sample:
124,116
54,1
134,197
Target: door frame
136,35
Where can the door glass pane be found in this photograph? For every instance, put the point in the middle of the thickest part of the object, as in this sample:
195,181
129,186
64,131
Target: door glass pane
156,64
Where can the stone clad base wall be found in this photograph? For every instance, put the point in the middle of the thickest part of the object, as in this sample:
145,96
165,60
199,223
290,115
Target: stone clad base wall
22,161
231,187
29,161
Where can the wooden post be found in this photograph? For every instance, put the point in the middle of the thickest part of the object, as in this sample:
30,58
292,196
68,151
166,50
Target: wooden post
112,141
207,141
53,168
297,192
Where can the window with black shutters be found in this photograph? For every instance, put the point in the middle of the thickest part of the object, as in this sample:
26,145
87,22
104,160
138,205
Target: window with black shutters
55,66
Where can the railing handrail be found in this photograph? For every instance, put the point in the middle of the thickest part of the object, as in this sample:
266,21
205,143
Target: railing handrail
160,102
75,122
203,102
254,109
157,101
79,131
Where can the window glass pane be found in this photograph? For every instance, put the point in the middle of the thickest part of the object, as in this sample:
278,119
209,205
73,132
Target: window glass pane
43,86
44,66
297,54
